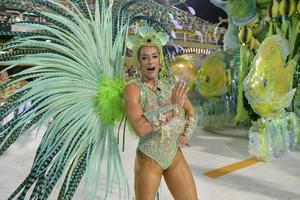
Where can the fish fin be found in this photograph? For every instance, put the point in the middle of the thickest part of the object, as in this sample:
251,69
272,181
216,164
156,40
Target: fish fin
286,99
291,64
284,46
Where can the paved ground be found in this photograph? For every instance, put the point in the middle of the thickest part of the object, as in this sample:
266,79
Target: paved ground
277,180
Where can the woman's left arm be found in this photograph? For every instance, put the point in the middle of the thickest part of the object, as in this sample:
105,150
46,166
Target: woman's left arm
190,120
189,109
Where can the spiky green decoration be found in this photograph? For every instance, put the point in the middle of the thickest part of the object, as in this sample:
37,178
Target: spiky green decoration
64,88
109,99
272,138
76,83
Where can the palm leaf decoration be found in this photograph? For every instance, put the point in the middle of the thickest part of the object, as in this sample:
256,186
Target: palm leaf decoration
77,83
65,88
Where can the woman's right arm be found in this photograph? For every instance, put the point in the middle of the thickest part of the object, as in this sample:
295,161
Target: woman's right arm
140,124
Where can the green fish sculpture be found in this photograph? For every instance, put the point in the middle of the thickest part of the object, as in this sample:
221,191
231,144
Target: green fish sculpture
213,79
268,86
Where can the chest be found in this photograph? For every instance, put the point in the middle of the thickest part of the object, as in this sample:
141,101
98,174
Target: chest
155,98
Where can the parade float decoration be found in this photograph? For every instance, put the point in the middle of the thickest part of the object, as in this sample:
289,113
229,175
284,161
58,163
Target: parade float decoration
183,69
268,72
214,84
268,89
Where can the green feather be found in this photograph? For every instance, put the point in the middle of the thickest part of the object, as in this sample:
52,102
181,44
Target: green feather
109,99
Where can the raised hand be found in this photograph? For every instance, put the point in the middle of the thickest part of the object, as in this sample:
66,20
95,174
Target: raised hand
178,93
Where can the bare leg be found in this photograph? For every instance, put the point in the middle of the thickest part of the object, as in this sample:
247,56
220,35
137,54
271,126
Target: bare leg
147,176
180,180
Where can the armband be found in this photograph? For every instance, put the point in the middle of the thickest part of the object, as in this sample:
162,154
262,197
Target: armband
189,127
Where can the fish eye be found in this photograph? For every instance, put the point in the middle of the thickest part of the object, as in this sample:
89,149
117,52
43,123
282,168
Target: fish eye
207,79
264,83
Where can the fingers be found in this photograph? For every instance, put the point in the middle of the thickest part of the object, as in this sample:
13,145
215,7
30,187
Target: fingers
174,94
178,93
181,94
174,90
182,90
182,142
179,85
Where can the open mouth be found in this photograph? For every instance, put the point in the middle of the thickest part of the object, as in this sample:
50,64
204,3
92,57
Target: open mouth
151,69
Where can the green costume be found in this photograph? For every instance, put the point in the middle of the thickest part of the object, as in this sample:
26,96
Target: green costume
160,145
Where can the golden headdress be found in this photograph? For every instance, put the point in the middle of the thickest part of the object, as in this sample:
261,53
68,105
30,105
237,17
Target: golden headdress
146,36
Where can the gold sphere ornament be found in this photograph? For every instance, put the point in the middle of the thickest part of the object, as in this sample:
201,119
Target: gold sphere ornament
184,70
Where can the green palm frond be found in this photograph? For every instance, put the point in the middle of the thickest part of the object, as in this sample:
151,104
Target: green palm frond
64,88
74,56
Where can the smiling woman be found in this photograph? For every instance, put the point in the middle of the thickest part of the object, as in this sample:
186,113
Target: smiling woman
149,59
163,117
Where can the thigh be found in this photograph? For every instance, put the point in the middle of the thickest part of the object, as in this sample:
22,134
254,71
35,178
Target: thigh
180,180
147,176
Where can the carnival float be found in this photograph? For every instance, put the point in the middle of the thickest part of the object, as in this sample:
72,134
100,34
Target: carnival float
251,80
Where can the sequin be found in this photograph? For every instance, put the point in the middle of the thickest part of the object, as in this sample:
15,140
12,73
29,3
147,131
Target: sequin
160,145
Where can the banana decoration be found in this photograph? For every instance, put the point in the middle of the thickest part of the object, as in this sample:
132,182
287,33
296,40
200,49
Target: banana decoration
247,38
272,9
245,34
287,7
254,43
258,27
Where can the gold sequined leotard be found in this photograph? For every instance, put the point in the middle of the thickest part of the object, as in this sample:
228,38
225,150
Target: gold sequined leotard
160,145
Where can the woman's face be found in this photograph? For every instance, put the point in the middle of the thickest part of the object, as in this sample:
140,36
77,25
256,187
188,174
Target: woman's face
149,60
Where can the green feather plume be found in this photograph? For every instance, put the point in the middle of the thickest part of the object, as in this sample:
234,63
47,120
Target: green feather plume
109,99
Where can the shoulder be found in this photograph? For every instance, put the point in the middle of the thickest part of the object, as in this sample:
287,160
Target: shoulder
132,89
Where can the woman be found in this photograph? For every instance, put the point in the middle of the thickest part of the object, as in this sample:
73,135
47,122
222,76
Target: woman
162,117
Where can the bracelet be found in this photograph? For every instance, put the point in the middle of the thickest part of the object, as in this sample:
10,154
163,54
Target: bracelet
176,110
189,127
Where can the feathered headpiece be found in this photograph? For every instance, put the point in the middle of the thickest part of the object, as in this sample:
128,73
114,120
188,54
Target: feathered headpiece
146,36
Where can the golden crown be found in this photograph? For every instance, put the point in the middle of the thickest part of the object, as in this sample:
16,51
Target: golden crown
146,36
